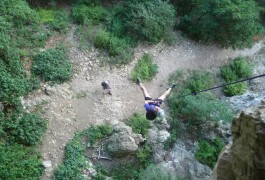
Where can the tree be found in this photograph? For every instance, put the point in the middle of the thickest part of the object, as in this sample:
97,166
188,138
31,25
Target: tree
232,23
149,20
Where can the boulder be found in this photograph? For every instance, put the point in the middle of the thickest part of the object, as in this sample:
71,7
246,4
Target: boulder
244,159
156,137
123,141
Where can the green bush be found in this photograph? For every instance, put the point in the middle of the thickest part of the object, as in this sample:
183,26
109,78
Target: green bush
75,160
13,79
144,155
86,15
89,2
208,152
235,89
232,23
239,68
200,80
19,162
156,172
55,19
52,65
95,133
139,124
144,69
196,110
149,19
24,128
116,47
23,24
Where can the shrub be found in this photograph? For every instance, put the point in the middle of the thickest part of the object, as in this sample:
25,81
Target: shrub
13,80
149,19
200,80
24,128
75,160
139,124
196,110
55,19
235,89
116,47
156,172
95,133
145,68
23,23
232,23
85,14
208,152
52,65
19,162
239,68
144,155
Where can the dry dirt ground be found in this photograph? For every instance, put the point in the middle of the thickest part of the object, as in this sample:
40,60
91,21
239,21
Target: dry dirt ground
75,105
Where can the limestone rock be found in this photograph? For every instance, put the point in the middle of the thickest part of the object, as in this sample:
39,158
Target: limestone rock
245,158
123,141
156,138
184,164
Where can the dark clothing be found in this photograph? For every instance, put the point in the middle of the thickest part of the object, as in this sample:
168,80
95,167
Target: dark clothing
105,85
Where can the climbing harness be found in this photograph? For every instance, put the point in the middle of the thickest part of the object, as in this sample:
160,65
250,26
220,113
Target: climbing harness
223,85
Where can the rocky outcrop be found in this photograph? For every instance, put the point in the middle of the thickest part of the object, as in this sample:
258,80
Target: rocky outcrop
184,164
123,141
156,137
244,159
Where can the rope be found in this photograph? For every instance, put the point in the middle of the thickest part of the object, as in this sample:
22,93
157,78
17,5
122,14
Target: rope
223,85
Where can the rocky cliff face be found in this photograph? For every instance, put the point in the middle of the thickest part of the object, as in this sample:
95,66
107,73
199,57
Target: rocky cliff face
244,159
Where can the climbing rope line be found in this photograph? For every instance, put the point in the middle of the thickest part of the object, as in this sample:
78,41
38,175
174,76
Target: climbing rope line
223,85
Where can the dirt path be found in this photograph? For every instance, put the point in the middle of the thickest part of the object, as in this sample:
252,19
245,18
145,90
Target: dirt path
76,105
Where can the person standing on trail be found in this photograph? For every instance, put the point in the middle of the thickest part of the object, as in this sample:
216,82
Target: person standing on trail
152,107
106,87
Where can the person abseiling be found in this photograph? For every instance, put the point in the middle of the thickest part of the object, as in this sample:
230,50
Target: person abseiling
153,107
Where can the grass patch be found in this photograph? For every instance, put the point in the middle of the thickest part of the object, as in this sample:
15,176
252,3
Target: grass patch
144,69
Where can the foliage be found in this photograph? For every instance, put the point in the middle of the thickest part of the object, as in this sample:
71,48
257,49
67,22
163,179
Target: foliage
52,65
95,133
200,108
239,68
89,15
75,160
144,155
22,24
235,89
149,19
13,79
208,152
126,171
145,68
19,162
139,124
89,2
156,172
115,46
200,80
232,23
25,128
55,19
